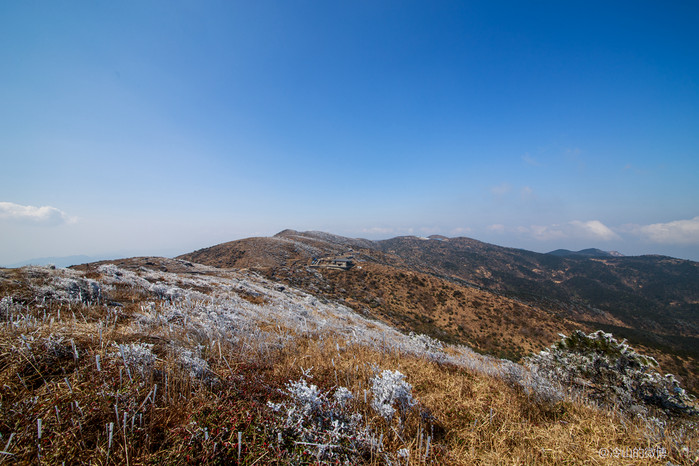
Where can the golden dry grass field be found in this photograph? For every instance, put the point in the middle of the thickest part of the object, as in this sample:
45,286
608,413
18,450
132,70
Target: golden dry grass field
203,366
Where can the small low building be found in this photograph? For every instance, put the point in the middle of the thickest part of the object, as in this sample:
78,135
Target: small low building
340,263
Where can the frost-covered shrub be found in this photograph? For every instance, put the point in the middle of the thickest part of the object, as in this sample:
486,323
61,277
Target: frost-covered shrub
164,291
343,396
425,346
138,357
388,390
84,289
611,372
512,373
322,422
62,288
535,385
113,274
196,366
541,388
426,342
306,397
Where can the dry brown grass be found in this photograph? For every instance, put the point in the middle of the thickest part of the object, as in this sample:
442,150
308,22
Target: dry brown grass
469,417
478,419
414,301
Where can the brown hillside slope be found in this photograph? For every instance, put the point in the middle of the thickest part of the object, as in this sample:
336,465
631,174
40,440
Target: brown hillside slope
561,293
407,299
287,248
414,301
654,293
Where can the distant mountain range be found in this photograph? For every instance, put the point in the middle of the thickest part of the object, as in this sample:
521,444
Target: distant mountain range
592,252
500,300
65,261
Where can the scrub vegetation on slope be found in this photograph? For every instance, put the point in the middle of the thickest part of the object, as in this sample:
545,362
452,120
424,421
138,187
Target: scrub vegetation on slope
171,361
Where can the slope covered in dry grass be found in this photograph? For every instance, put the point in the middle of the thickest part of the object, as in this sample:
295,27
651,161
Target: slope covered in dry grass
509,301
168,361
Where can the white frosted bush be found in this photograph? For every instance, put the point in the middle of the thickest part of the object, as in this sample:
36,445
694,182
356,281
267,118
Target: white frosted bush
426,342
343,396
315,420
69,288
137,356
534,384
113,274
165,291
388,390
306,397
196,366
610,372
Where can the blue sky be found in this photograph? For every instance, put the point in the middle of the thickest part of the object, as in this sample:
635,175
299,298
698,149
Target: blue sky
163,127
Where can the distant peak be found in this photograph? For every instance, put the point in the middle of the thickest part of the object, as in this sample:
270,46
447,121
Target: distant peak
287,232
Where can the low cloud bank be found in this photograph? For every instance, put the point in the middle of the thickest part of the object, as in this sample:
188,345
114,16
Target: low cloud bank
684,232
27,214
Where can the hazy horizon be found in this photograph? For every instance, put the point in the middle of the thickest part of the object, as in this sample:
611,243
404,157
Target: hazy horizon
76,259
175,126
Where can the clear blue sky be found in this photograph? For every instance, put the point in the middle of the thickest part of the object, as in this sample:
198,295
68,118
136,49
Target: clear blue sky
141,127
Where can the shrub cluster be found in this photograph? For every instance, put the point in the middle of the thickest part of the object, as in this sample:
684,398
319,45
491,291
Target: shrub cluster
330,427
612,373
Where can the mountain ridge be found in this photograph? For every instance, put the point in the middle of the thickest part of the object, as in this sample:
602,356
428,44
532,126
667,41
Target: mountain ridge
463,290
590,252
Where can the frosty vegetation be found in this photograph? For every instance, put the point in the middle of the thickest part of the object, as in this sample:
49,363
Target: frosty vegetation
611,372
137,357
322,424
189,324
328,423
391,391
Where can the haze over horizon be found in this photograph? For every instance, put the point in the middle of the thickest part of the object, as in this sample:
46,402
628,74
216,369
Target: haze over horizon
164,127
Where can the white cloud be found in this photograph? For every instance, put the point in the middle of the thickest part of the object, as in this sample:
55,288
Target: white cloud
576,229
573,152
677,232
391,231
27,214
594,229
431,230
